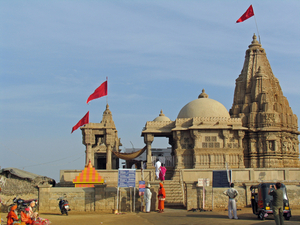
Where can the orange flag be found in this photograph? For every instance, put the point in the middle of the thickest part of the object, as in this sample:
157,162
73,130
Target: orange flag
81,122
249,13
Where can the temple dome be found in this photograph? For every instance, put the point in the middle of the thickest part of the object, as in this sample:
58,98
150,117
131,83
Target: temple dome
203,107
161,117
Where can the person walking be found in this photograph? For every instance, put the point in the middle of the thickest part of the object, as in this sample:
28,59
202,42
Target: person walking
161,198
157,168
231,193
162,172
277,205
147,198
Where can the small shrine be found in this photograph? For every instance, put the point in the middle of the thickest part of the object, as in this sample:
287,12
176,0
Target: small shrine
88,177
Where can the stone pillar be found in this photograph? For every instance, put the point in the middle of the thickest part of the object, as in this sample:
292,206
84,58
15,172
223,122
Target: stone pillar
88,140
108,157
179,163
197,138
241,135
44,196
89,154
108,142
225,136
148,139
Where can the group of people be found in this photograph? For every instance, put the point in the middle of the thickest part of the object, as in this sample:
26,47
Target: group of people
277,205
161,198
27,216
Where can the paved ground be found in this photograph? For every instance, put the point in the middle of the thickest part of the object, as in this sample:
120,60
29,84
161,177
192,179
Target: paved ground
170,217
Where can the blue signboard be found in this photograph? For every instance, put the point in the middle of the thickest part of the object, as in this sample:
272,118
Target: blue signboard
126,178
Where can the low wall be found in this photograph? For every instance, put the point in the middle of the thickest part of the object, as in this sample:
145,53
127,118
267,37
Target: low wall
214,197
100,198
104,197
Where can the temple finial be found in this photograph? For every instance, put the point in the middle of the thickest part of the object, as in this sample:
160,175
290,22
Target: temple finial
203,94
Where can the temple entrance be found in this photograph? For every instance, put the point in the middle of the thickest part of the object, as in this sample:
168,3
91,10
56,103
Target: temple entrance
101,163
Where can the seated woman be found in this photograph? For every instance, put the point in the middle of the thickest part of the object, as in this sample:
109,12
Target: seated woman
25,217
33,215
12,215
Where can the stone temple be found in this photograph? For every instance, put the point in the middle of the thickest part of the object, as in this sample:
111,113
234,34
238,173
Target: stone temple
259,131
257,140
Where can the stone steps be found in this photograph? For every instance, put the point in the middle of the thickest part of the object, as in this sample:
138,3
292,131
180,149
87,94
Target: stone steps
174,197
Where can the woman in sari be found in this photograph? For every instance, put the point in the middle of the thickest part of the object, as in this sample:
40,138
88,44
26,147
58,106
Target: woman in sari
162,172
161,198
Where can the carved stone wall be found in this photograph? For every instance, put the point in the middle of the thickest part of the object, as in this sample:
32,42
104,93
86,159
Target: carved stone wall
100,139
272,137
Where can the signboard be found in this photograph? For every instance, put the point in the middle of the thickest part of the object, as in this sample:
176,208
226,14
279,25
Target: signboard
126,178
142,187
220,178
201,182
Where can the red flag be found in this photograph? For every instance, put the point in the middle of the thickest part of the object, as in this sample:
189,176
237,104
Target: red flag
249,13
81,122
99,92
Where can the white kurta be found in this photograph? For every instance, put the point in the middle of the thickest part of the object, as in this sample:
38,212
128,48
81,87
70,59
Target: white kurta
147,198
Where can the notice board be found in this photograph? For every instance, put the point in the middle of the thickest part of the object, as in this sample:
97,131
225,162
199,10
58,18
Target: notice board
220,178
126,178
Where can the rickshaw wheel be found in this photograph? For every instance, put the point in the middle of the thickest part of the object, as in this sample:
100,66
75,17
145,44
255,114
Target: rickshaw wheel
287,217
261,215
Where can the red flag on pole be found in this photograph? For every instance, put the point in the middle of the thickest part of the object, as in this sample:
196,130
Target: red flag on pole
249,13
81,122
99,92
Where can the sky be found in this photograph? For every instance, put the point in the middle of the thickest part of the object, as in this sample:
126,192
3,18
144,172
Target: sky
156,55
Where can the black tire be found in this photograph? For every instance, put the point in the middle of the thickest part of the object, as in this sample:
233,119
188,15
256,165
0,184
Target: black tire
287,217
261,215
67,212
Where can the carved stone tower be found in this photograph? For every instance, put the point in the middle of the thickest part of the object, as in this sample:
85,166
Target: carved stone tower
100,139
272,137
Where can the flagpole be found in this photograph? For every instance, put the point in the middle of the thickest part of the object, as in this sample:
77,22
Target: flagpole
107,91
256,27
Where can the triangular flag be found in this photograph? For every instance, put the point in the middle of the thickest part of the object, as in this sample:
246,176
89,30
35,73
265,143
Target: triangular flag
99,92
249,13
81,122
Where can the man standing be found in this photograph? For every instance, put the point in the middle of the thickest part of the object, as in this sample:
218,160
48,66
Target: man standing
157,168
147,197
231,193
277,205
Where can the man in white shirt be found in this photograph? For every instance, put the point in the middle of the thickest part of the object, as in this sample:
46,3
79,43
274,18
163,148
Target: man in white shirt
231,193
157,168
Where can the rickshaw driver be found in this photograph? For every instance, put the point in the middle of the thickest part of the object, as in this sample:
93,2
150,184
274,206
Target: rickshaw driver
277,205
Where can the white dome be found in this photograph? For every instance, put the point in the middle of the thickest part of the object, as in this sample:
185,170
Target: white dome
203,107
161,117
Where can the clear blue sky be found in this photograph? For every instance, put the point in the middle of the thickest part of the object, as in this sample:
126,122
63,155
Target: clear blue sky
156,55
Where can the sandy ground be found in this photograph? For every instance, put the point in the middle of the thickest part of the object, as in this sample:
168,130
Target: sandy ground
171,216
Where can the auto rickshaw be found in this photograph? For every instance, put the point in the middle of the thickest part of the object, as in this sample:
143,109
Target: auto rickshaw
261,201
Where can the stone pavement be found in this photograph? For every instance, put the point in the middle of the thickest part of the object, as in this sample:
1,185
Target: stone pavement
169,217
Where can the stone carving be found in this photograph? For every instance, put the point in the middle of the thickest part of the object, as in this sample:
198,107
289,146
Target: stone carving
269,114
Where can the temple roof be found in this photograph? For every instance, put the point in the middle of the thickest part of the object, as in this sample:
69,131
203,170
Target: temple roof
161,117
203,107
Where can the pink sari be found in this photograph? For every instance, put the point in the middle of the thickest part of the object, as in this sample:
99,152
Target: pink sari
162,173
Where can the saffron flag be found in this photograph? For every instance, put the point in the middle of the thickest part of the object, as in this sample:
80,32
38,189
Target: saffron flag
249,13
99,92
81,122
